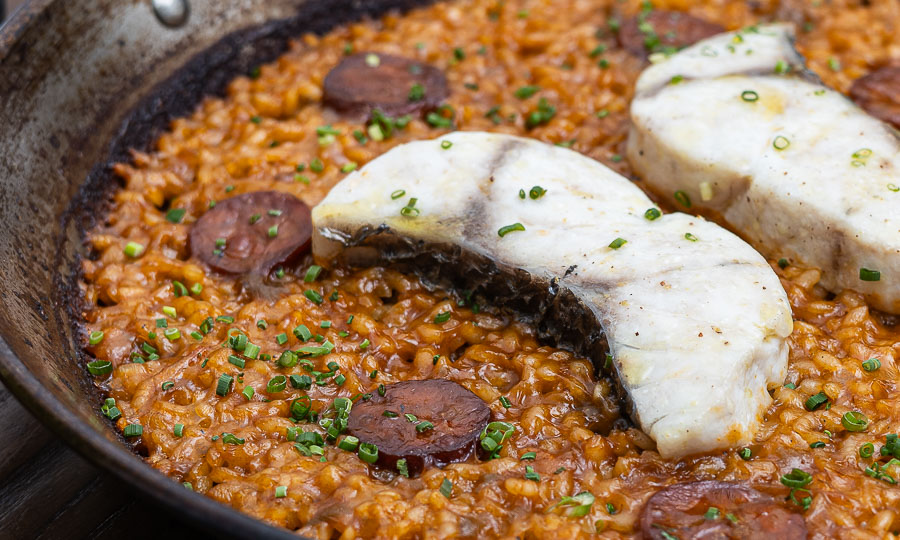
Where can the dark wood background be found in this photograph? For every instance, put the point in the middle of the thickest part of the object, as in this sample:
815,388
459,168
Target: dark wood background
48,491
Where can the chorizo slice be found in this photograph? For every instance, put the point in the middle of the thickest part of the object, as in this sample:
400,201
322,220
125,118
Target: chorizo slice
713,509
252,232
426,422
395,85
660,29
879,94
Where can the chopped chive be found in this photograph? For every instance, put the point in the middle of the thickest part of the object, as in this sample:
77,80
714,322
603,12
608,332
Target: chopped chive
526,92
302,332
442,317
196,288
276,384
866,274
866,450
602,113
817,444
178,430
162,323
815,401
316,165
236,360
691,237
783,263
99,367
780,142
96,337
170,311
365,344
683,198
133,430
349,167
168,384
652,214
223,386
617,243
312,273
248,392
133,249
281,338
528,456
745,453
373,60
280,492
172,334
368,452
301,382
446,145
225,319
231,438
373,373
348,443
397,194
446,488
854,421
531,475
251,350
313,296
872,364
510,228
505,402
175,215
749,96
424,426
536,192
416,92
410,209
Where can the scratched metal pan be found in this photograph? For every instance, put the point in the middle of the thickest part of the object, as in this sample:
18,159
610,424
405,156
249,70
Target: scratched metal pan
81,82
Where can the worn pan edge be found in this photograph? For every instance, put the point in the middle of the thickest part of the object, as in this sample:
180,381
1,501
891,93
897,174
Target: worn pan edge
143,124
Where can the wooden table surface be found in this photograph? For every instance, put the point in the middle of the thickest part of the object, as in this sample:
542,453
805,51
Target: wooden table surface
48,491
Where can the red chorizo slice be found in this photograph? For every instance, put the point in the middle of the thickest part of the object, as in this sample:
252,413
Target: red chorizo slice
879,94
393,84
458,417
253,232
660,29
683,511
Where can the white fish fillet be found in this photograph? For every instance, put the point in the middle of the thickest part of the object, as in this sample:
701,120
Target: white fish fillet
696,328
827,199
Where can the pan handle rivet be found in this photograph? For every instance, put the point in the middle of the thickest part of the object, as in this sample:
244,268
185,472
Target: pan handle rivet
172,13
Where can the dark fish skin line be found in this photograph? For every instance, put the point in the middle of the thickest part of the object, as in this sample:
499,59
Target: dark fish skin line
559,316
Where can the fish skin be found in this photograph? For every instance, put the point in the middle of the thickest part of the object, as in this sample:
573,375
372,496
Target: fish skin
808,202
697,329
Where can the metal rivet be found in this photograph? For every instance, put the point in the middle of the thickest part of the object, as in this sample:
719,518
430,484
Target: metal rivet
172,13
